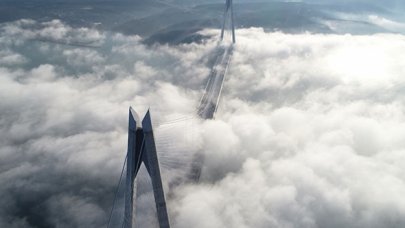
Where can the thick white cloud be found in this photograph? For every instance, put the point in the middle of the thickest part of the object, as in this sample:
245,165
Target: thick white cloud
64,112
309,132
308,122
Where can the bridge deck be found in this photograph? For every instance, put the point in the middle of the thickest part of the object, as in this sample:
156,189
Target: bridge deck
210,99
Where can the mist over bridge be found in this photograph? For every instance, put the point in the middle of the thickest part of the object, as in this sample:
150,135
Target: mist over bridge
142,148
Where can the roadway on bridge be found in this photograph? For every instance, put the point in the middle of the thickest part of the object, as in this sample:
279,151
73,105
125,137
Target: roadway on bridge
210,100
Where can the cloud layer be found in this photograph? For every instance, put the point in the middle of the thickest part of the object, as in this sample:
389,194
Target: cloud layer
316,140
309,132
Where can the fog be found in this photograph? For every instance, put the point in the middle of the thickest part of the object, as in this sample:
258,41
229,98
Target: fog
309,130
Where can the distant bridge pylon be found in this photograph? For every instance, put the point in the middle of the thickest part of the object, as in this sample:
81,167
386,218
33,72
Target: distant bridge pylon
228,12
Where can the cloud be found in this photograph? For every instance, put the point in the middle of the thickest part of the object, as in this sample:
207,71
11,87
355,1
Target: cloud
304,141
365,22
386,23
64,113
309,132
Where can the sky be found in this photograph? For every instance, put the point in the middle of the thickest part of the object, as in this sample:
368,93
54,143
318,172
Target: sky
309,131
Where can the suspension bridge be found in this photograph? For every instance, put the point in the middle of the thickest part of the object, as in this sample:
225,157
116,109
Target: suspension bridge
142,147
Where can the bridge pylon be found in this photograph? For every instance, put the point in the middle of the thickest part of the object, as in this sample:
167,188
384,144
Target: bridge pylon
228,12
142,149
